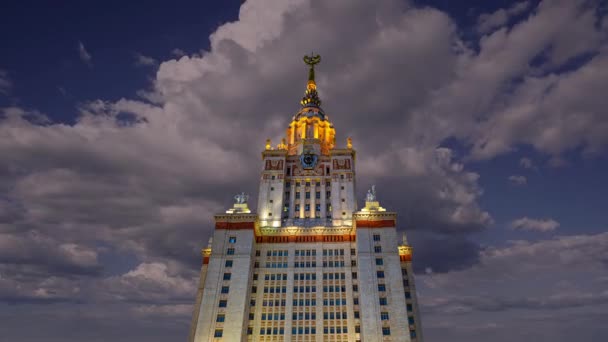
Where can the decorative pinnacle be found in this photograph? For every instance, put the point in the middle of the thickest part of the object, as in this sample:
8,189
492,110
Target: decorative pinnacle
311,98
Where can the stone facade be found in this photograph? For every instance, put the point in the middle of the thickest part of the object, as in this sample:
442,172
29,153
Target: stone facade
308,266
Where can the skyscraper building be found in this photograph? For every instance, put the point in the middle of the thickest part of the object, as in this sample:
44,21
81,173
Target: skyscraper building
308,266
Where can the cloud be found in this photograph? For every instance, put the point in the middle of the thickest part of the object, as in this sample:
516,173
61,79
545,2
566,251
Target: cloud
85,56
539,225
488,22
178,52
5,82
527,163
518,180
141,60
519,282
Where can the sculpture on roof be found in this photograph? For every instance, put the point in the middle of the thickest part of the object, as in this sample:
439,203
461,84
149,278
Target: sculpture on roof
371,195
241,198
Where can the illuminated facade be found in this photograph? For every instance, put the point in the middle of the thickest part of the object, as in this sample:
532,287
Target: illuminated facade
308,266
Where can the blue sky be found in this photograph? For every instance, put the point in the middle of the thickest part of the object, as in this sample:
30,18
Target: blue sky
124,128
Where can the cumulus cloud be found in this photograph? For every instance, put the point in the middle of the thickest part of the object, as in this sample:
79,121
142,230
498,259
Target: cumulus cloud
142,60
539,225
518,180
85,56
488,22
178,52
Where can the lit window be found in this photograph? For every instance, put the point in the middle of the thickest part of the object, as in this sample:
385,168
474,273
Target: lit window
232,239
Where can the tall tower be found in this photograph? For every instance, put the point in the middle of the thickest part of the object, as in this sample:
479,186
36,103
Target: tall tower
308,266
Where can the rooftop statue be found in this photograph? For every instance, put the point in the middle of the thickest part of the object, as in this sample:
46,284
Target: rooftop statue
241,198
371,195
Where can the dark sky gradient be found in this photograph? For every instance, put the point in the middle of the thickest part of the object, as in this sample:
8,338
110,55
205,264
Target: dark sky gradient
482,123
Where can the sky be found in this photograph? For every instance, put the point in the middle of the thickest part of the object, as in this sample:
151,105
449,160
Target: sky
124,127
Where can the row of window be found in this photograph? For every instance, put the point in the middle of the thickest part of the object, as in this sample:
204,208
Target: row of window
302,264
304,289
299,316
275,276
334,288
305,252
317,184
305,276
277,253
332,276
303,330
305,302
275,289
334,315
272,264
337,302
273,317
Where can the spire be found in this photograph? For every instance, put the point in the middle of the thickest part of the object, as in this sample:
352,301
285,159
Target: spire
311,98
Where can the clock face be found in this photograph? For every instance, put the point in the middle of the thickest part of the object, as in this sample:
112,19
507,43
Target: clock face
308,161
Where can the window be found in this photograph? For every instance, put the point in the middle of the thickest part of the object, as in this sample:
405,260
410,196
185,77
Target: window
377,249
356,301
410,308
355,288
271,201
297,207
379,262
376,237
307,183
317,195
342,187
328,183
341,176
307,207
410,320
297,183
353,263
227,276
220,318
384,316
298,195
353,251
218,333
288,173
307,194
257,252
228,263
287,184
343,200
225,289
252,302
383,301
269,214
381,288
357,329
404,272
271,188
327,194
357,314
254,289
249,330
413,333
318,184
354,275
232,239
380,274
408,295
317,207
230,251
386,331
223,303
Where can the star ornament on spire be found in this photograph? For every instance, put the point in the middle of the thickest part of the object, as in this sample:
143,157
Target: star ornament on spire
311,98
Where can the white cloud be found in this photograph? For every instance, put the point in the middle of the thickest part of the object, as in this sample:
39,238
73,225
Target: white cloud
539,225
85,56
488,22
141,60
518,180
526,163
